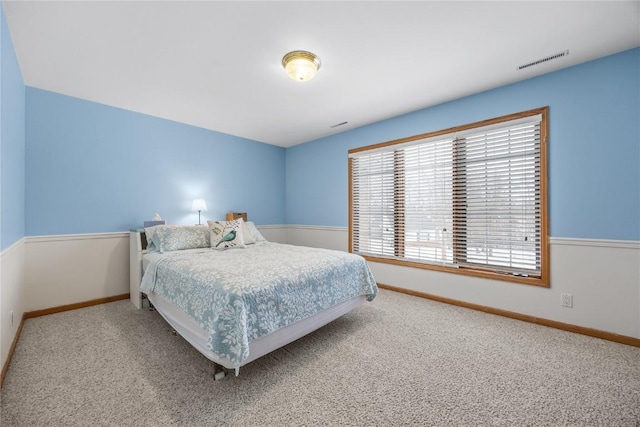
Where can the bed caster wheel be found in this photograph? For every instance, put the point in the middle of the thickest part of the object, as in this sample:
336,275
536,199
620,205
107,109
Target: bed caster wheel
219,375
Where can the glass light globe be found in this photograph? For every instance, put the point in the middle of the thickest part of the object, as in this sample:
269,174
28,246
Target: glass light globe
300,65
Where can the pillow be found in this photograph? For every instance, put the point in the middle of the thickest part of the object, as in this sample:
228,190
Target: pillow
152,238
150,232
253,232
226,234
246,235
177,237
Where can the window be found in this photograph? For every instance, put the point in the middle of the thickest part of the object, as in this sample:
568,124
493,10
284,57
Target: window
470,199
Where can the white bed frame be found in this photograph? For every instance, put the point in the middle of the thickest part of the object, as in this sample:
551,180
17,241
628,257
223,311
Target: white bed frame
197,337
137,249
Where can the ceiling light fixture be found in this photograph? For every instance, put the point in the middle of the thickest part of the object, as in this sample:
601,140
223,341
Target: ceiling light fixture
301,65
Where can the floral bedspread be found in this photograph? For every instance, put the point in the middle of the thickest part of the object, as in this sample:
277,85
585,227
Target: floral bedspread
239,295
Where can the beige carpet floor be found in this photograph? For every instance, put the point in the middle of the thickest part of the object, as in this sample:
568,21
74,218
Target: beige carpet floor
399,360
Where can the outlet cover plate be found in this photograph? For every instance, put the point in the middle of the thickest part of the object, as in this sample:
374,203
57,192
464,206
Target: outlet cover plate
566,300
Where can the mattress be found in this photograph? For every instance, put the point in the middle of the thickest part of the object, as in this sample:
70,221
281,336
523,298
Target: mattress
236,297
197,336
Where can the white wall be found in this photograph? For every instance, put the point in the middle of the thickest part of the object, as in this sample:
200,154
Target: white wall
318,236
12,277
68,269
603,277
274,233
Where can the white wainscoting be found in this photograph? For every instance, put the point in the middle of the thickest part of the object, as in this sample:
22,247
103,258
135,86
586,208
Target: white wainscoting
274,233
12,277
603,277
318,236
69,269
74,268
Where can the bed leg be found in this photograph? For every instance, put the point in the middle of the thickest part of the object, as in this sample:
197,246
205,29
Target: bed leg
146,298
218,372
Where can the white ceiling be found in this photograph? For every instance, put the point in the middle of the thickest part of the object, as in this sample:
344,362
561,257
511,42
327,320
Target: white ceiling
217,65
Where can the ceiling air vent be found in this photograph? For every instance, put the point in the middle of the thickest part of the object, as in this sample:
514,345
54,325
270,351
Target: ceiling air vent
540,61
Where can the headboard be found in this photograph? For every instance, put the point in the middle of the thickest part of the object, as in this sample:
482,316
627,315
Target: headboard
137,248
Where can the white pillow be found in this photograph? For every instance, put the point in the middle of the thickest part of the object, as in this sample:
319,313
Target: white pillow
246,234
162,238
226,234
253,231
189,237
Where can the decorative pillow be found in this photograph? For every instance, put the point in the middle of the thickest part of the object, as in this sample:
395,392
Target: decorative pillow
226,234
177,237
251,229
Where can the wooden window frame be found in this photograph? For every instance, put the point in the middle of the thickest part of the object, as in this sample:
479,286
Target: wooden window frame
543,280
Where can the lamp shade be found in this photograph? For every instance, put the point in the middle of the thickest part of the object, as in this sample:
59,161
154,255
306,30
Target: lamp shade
199,205
301,65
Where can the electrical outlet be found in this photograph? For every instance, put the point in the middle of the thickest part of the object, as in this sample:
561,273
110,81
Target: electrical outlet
566,300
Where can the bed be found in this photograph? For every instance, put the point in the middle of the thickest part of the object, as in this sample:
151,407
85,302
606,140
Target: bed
237,304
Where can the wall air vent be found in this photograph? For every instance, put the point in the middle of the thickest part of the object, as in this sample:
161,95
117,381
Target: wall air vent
540,61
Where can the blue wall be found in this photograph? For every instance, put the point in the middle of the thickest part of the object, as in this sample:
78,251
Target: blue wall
93,168
594,148
12,142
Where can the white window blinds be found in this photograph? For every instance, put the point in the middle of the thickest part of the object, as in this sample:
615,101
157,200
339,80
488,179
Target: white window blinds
373,203
470,198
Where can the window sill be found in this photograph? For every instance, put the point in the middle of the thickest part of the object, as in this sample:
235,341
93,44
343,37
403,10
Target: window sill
531,280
